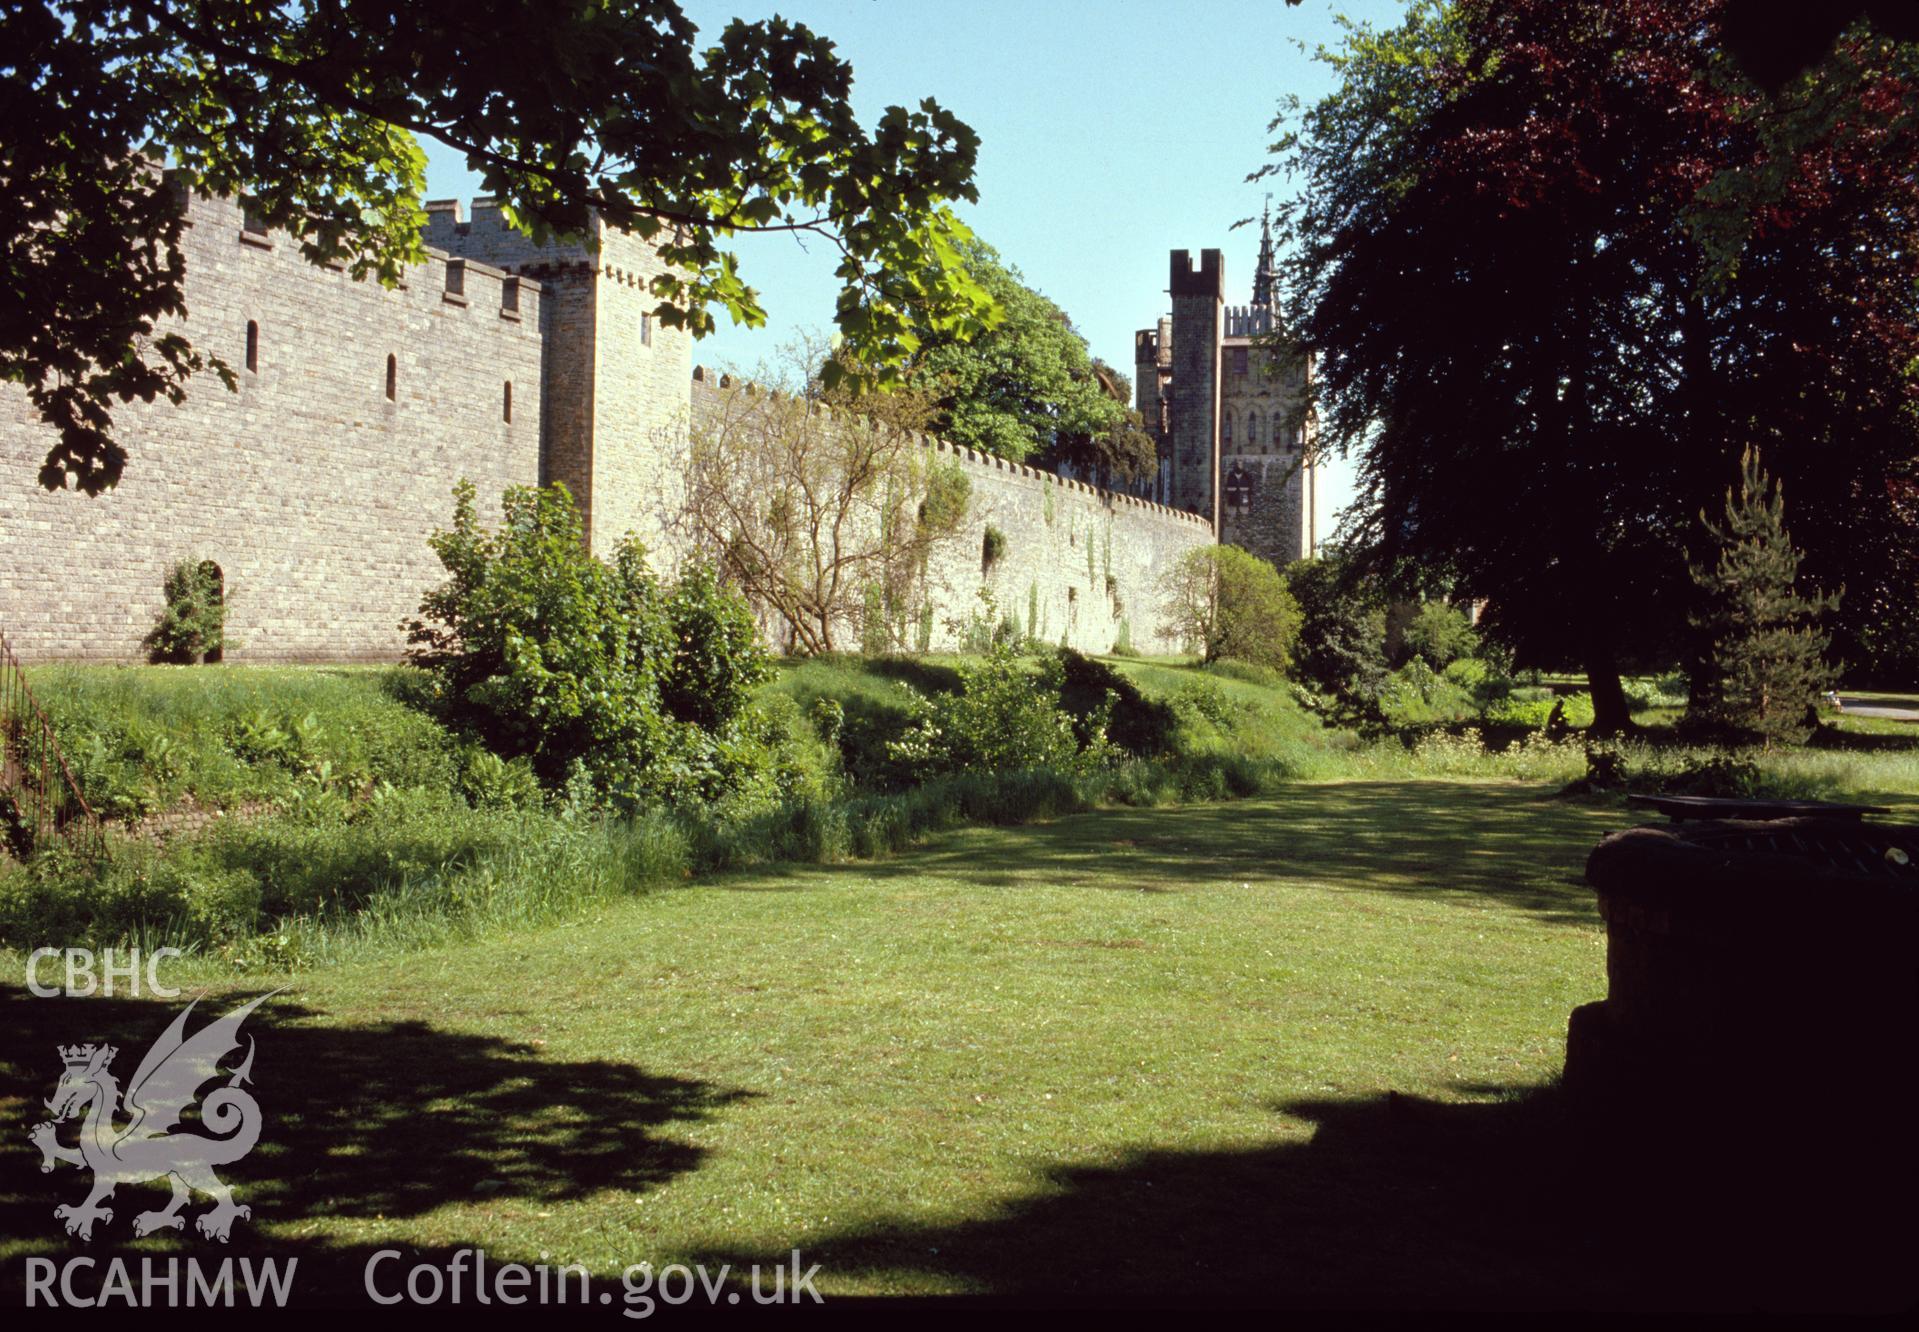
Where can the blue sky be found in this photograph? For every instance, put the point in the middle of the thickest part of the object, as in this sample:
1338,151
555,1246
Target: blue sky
1111,131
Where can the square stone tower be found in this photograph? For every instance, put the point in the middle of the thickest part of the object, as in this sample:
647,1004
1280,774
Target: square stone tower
614,410
1192,439
1226,395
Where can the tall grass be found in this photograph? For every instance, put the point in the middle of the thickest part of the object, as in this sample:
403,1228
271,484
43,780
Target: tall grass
143,738
399,865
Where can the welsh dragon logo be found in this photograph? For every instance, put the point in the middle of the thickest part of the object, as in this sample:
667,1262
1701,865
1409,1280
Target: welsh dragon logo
146,1147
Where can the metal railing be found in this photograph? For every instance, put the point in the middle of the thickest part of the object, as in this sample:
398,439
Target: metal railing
34,778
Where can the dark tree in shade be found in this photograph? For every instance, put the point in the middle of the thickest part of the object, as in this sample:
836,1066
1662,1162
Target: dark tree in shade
1562,262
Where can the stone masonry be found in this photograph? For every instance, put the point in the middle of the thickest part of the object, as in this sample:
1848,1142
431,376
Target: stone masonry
315,486
1082,567
1226,397
616,395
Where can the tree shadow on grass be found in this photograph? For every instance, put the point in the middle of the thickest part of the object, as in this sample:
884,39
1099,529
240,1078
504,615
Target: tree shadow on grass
1864,742
1396,1202
360,1123
929,677
1441,841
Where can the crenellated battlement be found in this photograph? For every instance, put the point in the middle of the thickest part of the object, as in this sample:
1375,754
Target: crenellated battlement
708,390
1249,321
451,280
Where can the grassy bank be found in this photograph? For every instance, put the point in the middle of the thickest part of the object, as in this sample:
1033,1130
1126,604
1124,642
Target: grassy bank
357,824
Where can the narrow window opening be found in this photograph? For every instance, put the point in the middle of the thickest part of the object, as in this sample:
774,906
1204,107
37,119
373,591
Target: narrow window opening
392,378
253,346
646,330
506,404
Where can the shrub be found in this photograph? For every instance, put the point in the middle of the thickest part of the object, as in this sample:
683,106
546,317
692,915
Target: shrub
551,654
1668,691
491,782
1228,603
1610,768
1002,719
992,548
948,489
1440,635
1415,694
192,626
1524,708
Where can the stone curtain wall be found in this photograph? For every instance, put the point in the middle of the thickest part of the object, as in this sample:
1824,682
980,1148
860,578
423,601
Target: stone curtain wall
315,492
311,490
1081,566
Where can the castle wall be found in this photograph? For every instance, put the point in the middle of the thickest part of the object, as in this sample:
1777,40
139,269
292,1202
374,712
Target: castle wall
315,492
311,490
1080,566
640,406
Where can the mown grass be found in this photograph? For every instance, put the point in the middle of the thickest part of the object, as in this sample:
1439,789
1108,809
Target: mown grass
1298,1048
903,1068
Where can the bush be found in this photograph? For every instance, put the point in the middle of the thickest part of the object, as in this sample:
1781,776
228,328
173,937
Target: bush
1527,708
1415,694
192,628
1440,635
1609,768
1002,719
1668,691
1228,603
992,548
550,654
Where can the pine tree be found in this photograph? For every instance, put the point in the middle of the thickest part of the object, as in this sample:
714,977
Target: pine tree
1763,656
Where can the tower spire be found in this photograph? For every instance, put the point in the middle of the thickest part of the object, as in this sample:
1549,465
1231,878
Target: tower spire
1266,274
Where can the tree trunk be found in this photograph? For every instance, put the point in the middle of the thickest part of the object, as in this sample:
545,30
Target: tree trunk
1610,714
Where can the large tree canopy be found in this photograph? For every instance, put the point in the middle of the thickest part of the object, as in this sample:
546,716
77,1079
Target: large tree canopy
1563,263
1029,385
311,107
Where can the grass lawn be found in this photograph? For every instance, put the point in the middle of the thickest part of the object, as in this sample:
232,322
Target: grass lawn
1299,1049
1127,1051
